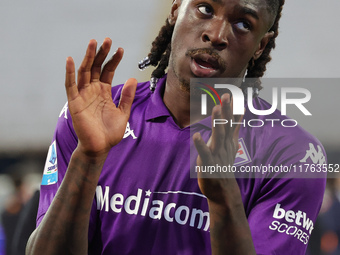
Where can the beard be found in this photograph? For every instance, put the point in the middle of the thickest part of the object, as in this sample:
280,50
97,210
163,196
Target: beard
184,85
192,89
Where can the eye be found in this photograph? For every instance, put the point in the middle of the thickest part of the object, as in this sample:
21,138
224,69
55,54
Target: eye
243,26
206,10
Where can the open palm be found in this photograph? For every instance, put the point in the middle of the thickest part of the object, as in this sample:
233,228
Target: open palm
220,150
98,122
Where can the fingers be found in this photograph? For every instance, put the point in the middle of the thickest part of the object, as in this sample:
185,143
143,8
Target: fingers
99,59
90,69
218,130
202,149
110,67
227,112
238,127
127,96
232,129
84,71
70,83
235,121
226,131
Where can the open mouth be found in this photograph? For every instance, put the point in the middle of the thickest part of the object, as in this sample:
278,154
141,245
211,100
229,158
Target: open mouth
204,65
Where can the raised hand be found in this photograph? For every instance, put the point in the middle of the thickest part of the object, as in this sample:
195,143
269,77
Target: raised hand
229,229
98,123
221,149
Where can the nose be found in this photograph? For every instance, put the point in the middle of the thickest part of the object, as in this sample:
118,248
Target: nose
216,34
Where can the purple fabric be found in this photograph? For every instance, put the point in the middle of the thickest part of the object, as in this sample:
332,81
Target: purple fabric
146,202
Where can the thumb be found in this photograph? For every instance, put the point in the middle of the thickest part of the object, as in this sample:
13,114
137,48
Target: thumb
127,96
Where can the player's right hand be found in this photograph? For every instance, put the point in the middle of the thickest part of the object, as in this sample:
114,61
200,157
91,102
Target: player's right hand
97,121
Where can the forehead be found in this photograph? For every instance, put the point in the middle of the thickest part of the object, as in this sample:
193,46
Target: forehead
265,8
259,9
258,4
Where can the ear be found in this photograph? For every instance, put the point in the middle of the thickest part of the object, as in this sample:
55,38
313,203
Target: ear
174,11
263,44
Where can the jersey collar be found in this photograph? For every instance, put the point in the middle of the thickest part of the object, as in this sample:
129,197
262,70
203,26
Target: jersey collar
156,107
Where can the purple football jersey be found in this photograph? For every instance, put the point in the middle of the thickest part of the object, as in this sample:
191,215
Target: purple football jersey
146,202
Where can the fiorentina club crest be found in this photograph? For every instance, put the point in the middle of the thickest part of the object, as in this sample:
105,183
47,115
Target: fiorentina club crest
242,155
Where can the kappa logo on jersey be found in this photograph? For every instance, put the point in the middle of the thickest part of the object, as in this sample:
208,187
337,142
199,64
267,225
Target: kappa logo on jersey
64,111
128,132
242,155
50,175
142,204
295,224
316,156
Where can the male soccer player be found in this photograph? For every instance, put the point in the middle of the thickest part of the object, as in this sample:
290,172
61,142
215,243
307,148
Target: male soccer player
117,176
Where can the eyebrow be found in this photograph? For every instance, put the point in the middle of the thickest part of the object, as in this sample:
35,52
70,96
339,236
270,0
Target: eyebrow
251,12
217,1
243,9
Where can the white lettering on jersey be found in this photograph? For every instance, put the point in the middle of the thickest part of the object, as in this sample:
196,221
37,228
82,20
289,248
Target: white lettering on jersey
140,204
64,111
316,156
128,132
295,224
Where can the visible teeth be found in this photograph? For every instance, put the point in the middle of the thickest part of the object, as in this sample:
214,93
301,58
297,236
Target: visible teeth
204,67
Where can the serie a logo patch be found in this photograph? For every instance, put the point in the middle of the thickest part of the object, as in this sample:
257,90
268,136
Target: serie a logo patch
50,175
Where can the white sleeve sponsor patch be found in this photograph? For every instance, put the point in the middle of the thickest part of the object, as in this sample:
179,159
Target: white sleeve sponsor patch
292,223
50,175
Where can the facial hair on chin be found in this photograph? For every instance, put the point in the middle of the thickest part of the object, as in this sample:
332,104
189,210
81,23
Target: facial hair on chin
184,85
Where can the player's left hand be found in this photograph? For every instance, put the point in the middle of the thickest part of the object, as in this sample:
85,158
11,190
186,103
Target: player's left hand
220,150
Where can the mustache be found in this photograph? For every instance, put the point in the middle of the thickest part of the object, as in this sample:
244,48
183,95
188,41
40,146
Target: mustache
212,52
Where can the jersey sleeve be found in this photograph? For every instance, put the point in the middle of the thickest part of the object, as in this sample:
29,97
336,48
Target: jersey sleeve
283,216
58,157
63,144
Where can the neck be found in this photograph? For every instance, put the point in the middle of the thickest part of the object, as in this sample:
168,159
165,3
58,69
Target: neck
178,102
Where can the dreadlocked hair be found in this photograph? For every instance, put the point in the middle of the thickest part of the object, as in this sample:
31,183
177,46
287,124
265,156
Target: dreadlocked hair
256,68
160,51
